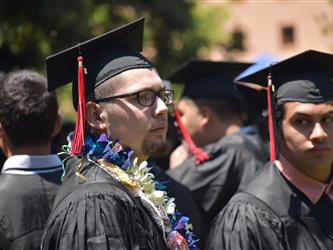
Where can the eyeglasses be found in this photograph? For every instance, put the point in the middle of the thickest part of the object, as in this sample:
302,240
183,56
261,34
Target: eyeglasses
146,97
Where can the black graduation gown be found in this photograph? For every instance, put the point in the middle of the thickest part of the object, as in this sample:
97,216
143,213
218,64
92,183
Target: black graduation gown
25,204
185,203
98,213
271,213
215,181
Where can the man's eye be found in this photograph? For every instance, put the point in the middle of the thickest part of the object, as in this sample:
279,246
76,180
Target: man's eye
146,98
166,98
146,95
328,119
302,121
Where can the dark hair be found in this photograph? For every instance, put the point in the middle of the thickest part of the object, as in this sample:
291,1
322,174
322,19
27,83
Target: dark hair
106,89
279,111
279,114
226,108
27,110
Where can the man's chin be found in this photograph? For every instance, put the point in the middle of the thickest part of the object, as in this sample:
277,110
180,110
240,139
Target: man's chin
154,148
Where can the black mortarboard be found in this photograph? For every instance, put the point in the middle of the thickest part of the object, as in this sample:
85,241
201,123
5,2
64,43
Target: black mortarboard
306,77
208,79
104,56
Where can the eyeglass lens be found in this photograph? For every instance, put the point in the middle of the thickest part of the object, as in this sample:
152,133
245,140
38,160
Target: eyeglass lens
148,97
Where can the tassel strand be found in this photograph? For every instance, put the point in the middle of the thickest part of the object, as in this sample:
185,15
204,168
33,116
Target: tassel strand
199,155
78,140
271,129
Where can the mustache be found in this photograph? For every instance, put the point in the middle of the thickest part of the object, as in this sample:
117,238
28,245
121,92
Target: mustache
162,121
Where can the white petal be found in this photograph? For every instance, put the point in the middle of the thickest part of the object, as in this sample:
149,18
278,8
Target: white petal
135,161
143,165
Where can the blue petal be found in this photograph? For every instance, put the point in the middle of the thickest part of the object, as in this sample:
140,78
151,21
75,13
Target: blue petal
103,138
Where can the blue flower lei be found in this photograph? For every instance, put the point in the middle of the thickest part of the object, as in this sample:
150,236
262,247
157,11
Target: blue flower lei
100,147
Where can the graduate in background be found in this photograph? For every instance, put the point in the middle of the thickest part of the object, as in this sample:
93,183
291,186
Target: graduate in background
289,205
30,176
213,115
2,156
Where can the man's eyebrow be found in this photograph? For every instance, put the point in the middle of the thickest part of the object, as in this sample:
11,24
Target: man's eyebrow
157,89
300,113
328,113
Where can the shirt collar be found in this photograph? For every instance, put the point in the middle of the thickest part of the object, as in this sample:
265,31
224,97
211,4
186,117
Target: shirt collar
249,130
31,164
312,188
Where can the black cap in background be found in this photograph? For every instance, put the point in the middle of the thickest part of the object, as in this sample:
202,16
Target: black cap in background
305,77
208,79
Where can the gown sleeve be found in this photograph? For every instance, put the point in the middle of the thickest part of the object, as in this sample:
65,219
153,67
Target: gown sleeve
214,182
245,226
100,221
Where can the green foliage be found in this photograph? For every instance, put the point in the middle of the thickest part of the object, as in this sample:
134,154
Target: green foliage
206,30
174,31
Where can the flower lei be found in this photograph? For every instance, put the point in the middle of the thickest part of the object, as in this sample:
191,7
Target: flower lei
116,161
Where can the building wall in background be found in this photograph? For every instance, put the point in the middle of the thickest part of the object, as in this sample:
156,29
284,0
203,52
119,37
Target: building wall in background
281,27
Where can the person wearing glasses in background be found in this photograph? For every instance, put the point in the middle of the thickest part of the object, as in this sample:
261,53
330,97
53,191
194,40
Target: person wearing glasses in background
109,199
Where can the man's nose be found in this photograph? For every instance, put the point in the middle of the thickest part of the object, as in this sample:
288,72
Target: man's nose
318,133
161,107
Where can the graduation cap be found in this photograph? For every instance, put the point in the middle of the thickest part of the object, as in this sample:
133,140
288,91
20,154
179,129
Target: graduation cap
306,78
208,79
261,62
91,63
257,100
205,79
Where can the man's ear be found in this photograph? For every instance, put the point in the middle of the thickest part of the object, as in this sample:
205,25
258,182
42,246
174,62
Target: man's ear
206,114
94,116
4,140
57,125
2,131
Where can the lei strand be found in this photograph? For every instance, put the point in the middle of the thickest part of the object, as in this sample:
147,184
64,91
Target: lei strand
117,161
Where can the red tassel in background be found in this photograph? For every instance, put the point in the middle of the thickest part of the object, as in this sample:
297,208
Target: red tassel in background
272,150
199,155
78,140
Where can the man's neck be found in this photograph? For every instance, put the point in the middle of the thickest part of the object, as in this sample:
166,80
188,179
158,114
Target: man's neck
319,173
30,150
232,129
215,132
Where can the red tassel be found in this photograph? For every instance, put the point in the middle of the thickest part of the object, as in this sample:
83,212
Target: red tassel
272,151
199,155
78,140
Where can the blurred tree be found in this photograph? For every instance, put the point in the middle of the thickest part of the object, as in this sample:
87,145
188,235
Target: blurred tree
174,30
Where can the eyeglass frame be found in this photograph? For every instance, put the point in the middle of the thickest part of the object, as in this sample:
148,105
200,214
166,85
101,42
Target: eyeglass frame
136,93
